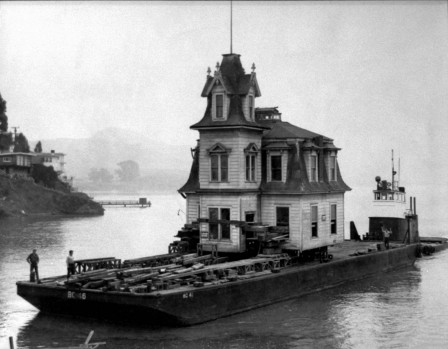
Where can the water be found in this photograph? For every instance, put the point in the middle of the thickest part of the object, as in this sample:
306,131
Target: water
403,309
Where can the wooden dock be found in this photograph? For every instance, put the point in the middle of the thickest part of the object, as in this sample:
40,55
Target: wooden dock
141,202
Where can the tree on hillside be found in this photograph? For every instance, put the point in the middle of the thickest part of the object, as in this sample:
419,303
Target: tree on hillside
38,147
44,175
5,141
21,144
3,117
100,176
129,171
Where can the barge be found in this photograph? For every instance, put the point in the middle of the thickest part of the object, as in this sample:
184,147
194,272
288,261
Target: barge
228,288
264,223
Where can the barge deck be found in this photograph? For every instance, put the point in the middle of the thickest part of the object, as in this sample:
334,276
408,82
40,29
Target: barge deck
200,293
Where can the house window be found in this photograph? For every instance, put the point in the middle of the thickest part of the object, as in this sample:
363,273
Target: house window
276,167
6,159
250,217
219,167
219,106
282,216
313,166
250,167
332,168
314,221
219,223
219,163
251,107
333,229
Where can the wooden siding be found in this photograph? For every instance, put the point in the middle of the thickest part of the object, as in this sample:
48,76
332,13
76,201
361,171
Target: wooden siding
324,236
300,217
269,212
237,141
192,208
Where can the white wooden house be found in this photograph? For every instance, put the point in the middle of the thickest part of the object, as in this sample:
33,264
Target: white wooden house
252,168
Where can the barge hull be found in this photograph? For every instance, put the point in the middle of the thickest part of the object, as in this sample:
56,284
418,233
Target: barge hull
189,306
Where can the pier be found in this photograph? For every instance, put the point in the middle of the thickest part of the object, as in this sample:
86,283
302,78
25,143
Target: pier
141,202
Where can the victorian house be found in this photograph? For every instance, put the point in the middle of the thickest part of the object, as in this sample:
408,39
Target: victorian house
252,170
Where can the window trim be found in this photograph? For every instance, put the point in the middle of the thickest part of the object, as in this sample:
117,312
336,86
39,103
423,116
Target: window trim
221,106
280,156
219,224
251,106
316,233
334,220
220,151
332,169
314,161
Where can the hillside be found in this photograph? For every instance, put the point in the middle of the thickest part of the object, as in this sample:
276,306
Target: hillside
23,197
110,146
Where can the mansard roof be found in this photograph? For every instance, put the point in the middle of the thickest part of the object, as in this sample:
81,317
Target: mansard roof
283,129
234,119
232,76
192,184
297,181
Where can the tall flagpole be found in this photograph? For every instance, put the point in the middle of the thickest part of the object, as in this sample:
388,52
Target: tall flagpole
231,15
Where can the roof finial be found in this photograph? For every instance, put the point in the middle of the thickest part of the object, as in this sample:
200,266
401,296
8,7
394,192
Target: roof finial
253,67
208,71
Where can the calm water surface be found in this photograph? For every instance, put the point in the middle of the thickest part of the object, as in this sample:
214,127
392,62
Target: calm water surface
403,309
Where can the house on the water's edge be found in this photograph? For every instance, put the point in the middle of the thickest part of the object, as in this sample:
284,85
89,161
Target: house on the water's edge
250,168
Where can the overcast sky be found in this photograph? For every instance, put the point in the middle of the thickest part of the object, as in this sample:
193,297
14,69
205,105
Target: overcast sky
370,75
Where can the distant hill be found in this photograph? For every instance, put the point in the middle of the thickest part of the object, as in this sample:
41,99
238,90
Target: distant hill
160,163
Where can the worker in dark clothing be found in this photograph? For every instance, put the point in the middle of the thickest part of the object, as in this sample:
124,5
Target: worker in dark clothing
33,260
70,264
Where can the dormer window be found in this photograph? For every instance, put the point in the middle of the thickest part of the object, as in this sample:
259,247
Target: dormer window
276,167
313,168
251,107
332,168
219,104
219,163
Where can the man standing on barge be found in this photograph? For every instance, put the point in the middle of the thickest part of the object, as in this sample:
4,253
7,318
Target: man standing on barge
386,233
70,264
33,261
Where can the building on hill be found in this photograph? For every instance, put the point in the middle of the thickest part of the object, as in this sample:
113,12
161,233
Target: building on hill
16,163
51,159
254,172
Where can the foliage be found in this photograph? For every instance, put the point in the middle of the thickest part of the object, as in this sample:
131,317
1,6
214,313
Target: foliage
38,147
21,144
44,175
5,141
100,176
129,171
3,117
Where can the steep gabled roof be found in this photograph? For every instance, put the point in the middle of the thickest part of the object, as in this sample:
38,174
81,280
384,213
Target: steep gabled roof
233,77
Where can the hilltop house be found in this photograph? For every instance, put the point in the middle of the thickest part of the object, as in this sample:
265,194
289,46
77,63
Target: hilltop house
51,159
16,163
253,170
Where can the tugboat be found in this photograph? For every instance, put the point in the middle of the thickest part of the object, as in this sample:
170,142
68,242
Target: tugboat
390,211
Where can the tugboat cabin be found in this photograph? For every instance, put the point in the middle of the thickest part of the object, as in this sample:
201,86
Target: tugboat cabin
257,183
